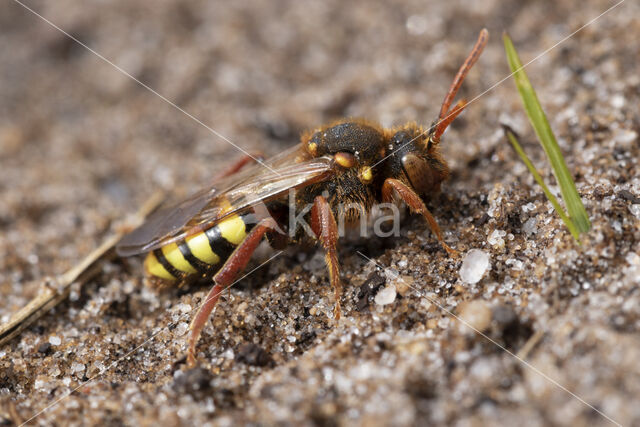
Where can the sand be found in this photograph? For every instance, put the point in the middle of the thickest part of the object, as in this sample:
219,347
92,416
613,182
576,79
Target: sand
82,146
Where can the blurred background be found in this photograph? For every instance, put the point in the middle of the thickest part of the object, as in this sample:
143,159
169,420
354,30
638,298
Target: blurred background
82,146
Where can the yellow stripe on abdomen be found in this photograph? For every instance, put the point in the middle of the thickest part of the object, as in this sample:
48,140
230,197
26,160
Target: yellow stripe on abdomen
233,229
200,252
200,248
153,267
173,255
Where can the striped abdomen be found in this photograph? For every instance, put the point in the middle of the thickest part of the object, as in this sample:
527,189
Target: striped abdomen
203,253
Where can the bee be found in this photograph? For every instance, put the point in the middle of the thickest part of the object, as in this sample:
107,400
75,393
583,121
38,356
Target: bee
214,232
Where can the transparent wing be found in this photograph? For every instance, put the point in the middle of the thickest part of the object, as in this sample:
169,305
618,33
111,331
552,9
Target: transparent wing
293,168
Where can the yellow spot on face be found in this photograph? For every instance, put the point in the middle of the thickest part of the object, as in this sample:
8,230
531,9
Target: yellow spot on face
313,148
176,259
200,248
366,175
233,229
154,268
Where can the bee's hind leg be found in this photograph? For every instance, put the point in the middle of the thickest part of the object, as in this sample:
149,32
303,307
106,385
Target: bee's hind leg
324,226
255,157
224,278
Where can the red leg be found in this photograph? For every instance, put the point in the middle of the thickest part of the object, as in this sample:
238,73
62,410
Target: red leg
200,319
223,279
237,166
416,205
324,225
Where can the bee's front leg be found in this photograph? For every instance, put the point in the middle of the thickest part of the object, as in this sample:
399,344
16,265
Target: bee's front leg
324,226
224,278
415,203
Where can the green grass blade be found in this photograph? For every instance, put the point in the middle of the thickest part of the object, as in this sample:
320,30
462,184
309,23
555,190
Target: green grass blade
539,121
556,205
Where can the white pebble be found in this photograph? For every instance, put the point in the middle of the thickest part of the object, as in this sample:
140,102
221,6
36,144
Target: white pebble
99,366
635,210
624,137
181,328
476,314
417,25
530,226
617,101
391,274
632,273
496,238
474,265
53,340
386,295
443,322
183,308
77,367
515,264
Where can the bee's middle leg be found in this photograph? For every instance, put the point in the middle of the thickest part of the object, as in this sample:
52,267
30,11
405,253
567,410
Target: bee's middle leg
324,226
224,278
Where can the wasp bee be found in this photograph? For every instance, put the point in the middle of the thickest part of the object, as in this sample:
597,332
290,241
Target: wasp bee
215,231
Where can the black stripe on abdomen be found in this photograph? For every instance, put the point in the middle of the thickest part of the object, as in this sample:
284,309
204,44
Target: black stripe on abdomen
196,263
166,264
221,246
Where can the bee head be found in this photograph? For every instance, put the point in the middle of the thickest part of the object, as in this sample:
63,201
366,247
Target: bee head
412,153
416,159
